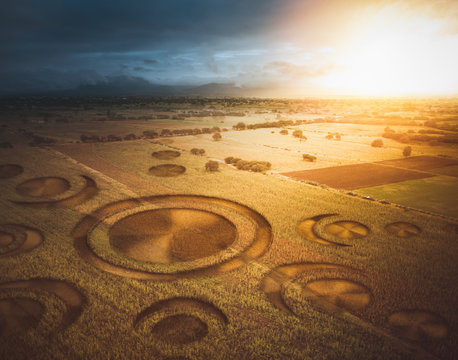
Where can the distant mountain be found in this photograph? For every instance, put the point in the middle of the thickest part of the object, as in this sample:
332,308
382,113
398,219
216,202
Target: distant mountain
218,89
123,86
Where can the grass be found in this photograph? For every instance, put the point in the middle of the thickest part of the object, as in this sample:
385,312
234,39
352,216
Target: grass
430,194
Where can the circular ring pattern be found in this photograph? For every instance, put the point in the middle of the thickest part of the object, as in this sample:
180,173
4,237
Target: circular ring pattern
259,244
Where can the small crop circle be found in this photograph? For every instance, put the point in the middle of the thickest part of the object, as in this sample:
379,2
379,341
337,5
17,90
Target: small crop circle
166,154
167,170
10,170
347,229
403,229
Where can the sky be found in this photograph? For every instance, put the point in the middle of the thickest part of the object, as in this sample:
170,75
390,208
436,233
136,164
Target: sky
291,47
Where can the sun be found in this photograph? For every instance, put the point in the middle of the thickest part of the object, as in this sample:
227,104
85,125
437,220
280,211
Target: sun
394,56
375,49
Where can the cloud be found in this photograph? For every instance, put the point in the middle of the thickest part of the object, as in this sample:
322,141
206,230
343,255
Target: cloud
150,61
142,69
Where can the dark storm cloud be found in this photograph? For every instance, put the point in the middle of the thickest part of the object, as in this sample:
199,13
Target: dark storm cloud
106,37
55,29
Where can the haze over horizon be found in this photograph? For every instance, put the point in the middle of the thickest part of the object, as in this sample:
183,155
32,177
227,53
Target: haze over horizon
261,47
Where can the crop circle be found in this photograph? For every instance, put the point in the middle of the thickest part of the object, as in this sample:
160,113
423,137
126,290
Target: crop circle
197,241
44,186
166,154
167,170
418,325
180,329
403,229
10,170
171,235
341,293
17,315
347,229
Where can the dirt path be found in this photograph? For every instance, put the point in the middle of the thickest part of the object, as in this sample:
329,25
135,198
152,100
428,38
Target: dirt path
84,154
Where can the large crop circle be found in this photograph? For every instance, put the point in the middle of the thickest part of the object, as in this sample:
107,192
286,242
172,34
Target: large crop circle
171,235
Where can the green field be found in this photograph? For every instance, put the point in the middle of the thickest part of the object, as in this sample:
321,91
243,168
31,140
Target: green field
436,194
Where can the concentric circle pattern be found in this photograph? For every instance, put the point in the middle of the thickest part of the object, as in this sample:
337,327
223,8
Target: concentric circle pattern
333,294
171,235
44,186
50,186
180,321
306,228
167,170
403,229
10,170
347,229
166,154
32,239
17,315
418,325
23,313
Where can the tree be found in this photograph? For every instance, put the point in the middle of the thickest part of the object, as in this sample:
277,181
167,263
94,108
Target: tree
407,151
298,133
377,143
196,151
239,126
217,136
212,165
308,157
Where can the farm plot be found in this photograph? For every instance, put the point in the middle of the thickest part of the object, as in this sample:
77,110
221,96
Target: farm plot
357,176
420,162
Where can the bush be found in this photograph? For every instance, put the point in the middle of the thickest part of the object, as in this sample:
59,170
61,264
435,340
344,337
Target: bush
308,157
377,143
329,137
212,165
196,151
130,137
284,132
298,133
239,126
256,166
407,151
217,136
